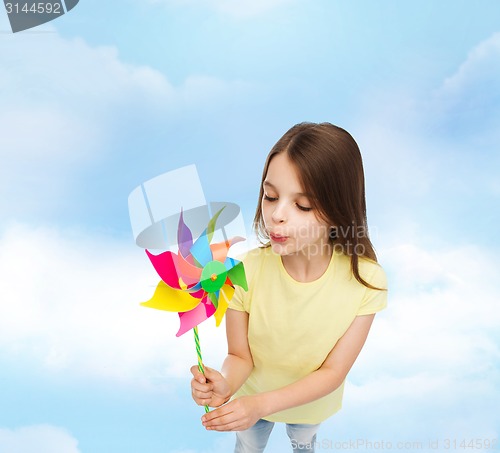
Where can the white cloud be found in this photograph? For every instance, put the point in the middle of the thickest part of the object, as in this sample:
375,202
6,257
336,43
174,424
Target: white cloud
396,160
477,77
442,309
70,72
433,352
467,104
60,99
64,105
431,364
71,303
39,439
432,155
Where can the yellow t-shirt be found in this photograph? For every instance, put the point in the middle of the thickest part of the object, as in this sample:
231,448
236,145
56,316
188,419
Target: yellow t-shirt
293,325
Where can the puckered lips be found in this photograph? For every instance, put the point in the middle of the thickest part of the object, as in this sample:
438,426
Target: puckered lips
275,237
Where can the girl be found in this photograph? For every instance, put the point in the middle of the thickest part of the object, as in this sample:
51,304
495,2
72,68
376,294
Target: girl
314,289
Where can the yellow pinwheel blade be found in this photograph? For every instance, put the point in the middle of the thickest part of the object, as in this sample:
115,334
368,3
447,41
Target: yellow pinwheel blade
169,299
225,295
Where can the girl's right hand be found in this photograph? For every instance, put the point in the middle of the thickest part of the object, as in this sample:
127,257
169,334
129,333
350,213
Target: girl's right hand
209,389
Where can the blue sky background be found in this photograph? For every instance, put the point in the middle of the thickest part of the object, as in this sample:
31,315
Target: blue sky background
111,95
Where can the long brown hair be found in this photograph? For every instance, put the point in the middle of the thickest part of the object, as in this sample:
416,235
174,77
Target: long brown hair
330,167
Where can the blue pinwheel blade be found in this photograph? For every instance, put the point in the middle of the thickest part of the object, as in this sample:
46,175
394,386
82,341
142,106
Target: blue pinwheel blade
200,250
195,288
230,263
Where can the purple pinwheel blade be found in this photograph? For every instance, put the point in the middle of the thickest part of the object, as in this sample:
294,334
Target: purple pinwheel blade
184,237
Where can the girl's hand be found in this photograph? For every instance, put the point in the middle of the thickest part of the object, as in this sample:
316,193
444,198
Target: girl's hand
209,389
238,415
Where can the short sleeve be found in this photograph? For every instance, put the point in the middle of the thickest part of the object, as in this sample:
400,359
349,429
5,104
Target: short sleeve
374,300
237,302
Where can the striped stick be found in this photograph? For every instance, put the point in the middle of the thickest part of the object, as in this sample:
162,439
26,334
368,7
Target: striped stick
198,353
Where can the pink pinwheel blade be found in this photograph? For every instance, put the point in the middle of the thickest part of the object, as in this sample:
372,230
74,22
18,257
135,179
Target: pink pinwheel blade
198,294
165,265
197,315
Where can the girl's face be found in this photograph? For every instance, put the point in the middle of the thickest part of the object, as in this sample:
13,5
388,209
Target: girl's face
291,223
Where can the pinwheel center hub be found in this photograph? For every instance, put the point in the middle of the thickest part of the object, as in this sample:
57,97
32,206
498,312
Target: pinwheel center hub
213,276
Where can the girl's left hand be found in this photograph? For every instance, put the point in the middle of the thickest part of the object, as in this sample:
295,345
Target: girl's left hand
238,415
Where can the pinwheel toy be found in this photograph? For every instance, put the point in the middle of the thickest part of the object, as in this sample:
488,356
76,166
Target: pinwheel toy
198,281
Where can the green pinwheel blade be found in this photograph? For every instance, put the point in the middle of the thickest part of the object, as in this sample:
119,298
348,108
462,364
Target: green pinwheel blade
213,299
211,224
237,276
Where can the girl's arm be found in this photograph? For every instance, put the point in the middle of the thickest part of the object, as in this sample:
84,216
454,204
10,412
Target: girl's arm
243,412
214,388
239,363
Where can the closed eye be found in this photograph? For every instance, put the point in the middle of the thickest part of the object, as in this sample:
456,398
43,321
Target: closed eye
303,208
268,198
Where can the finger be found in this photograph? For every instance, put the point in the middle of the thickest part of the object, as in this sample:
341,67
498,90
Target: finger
201,398
201,395
211,374
215,416
228,425
226,428
197,374
201,387
203,401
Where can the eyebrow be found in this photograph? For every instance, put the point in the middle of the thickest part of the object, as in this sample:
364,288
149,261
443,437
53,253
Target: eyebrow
301,194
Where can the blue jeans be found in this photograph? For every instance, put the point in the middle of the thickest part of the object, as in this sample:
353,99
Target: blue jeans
254,439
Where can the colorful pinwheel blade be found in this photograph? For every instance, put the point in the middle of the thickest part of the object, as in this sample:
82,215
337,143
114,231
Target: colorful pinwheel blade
166,265
169,299
214,298
197,291
184,237
211,224
195,316
220,249
201,250
237,274
225,295
190,274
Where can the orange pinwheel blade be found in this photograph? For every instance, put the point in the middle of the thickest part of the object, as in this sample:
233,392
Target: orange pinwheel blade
189,273
220,249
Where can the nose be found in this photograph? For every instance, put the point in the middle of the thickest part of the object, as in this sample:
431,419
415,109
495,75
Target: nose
279,214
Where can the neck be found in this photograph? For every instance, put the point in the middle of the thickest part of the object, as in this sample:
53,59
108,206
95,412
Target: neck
306,267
